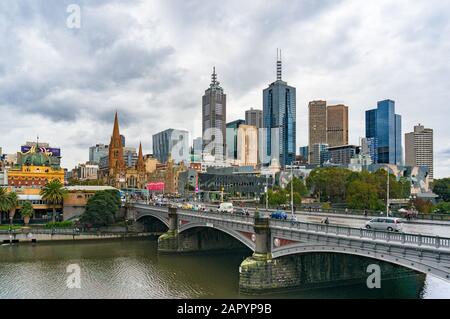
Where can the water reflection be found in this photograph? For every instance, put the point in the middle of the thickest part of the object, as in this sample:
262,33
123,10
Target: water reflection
133,269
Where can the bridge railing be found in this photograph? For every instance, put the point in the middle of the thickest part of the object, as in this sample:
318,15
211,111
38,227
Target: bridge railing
403,238
225,216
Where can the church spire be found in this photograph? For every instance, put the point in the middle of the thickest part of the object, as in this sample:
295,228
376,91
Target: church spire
140,165
116,133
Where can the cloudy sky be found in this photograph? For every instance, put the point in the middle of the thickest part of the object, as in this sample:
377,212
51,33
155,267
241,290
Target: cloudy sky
152,60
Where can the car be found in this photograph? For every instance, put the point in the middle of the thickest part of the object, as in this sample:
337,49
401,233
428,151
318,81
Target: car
242,211
385,224
187,206
226,208
279,215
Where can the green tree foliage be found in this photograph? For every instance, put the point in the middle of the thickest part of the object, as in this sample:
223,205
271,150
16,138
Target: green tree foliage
26,210
441,187
360,190
298,187
8,202
442,208
363,195
328,183
54,193
101,208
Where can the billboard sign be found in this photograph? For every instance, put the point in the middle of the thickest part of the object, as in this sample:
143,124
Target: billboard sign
49,150
158,186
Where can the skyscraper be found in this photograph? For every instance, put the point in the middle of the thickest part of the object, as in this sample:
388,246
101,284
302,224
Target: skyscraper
171,142
96,152
279,110
384,126
254,117
232,138
337,125
214,111
419,148
317,115
247,145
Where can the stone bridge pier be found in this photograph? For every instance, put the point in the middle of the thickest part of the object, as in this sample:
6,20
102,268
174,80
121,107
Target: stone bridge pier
260,273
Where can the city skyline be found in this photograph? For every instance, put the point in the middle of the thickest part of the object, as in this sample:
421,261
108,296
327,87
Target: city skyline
73,89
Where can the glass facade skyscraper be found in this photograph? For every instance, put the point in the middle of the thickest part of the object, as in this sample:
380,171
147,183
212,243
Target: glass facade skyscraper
232,138
279,112
384,126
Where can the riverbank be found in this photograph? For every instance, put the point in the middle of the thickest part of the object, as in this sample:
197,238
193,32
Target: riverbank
32,238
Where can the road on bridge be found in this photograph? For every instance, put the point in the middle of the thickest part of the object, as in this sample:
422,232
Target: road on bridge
437,228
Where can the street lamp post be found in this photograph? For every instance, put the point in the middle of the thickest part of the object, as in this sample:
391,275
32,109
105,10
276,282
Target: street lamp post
292,192
267,193
387,192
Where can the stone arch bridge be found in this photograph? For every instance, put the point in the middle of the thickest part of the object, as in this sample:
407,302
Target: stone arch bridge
290,254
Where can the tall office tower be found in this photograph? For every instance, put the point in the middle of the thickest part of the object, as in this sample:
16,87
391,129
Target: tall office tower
232,138
279,110
317,115
214,111
247,145
385,127
171,142
254,117
337,125
419,148
96,152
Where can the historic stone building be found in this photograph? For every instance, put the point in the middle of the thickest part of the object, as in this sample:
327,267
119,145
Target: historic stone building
118,174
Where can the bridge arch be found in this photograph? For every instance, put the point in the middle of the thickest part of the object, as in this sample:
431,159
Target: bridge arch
156,215
424,266
241,238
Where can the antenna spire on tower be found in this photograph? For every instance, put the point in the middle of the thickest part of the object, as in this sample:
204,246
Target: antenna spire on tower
279,68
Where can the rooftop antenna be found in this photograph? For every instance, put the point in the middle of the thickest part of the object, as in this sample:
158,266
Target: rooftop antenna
279,65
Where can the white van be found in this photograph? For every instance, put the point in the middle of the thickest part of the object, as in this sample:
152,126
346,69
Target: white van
226,208
385,223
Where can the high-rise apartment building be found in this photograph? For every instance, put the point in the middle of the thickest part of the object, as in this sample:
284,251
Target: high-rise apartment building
385,127
279,111
419,148
214,115
254,117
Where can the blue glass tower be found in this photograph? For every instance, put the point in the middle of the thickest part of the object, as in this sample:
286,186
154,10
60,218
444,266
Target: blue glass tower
279,112
384,127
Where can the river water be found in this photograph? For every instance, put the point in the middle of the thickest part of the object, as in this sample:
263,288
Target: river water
133,269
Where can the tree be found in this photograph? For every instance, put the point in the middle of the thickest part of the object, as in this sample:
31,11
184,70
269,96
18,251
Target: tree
8,203
26,212
298,187
423,206
54,193
14,202
101,208
363,195
277,197
442,208
328,183
441,187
